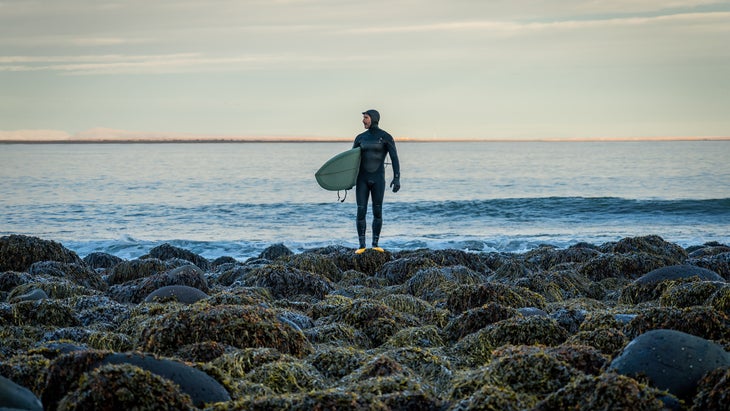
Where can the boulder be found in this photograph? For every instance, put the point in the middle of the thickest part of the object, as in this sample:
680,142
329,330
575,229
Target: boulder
671,360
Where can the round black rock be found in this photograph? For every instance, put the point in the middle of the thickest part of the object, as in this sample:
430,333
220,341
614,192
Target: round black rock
671,360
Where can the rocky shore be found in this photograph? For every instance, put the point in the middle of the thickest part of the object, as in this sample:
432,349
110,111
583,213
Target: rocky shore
639,324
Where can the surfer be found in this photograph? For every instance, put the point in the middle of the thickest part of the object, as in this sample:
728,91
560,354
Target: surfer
374,144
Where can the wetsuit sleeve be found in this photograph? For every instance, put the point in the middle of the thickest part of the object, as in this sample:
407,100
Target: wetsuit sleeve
356,143
393,153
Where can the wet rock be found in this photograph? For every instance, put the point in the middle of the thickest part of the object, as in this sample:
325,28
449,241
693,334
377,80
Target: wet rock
16,397
450,257
32,295
19,252
99,260
671,360
569,318
531,311
676,272
179,293
548,257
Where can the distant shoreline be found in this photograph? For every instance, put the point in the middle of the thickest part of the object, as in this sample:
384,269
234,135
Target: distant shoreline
340,140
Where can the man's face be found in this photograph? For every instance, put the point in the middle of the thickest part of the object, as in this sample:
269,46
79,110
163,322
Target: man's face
366,121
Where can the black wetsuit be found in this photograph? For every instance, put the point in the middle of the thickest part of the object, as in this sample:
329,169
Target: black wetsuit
375,145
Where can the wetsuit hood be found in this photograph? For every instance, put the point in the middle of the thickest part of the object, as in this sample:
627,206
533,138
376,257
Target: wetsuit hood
374,117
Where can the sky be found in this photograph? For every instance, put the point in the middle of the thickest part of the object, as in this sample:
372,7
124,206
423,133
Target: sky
496,69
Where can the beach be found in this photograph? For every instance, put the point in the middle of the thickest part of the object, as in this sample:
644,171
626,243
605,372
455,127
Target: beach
325,328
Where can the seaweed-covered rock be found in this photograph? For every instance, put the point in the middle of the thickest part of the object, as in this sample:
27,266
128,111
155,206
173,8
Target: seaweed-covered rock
167,252
47,312
720,301
623,266
336,362
548,257
123,387
66,371
688,294
700,321
19,252
32,295
288,282
609,341
465,297
584,358
424,311
713,391
78,273
526,331
429,365
400,270
475,319
239,362
136,291
493,398
719,263
275,251
423,337
315,263
375,319
338,334
530,371
132,270
239,326
450,257
102,260
607,391
287,376
671,360
331,399
434,284
650,244
180,293
14,396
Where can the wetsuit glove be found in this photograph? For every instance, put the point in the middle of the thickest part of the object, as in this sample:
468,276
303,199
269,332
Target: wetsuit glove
395,184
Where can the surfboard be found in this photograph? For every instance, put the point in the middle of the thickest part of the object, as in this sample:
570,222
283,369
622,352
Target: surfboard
339,172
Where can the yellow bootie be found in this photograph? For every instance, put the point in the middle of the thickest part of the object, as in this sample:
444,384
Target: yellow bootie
360,250
378,249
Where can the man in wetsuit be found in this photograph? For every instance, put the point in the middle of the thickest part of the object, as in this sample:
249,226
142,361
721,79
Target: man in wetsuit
374,144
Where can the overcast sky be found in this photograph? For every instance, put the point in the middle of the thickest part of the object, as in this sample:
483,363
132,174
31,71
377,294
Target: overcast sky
446,69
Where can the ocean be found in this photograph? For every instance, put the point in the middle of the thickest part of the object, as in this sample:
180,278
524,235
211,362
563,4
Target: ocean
236,199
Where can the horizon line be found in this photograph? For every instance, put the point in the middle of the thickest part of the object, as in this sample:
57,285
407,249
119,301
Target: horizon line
340,139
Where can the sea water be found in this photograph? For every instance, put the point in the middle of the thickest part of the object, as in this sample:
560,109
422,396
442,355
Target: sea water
236,199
